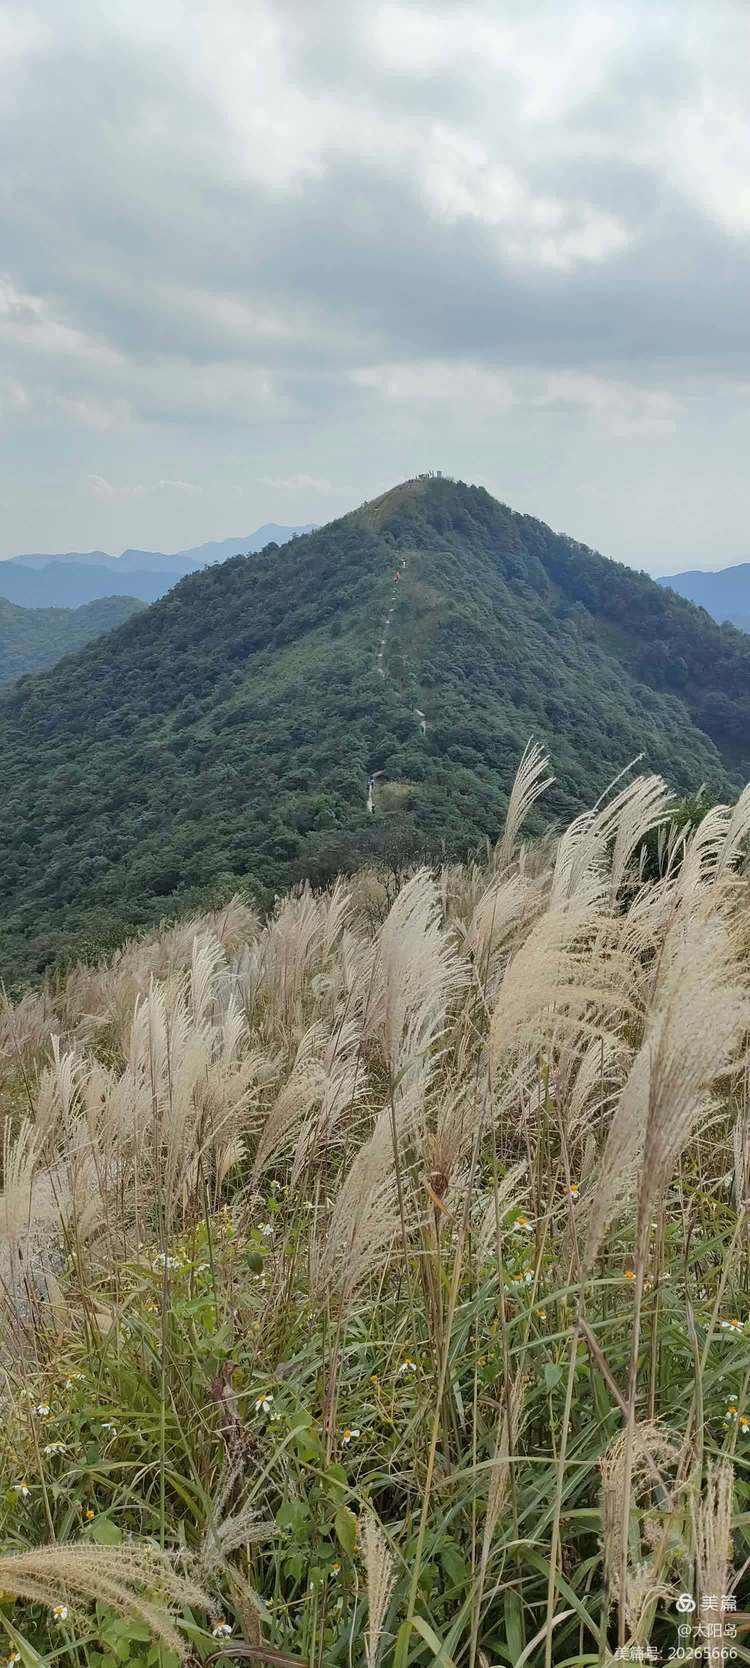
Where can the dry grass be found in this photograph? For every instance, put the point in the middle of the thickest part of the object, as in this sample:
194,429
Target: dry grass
486,1143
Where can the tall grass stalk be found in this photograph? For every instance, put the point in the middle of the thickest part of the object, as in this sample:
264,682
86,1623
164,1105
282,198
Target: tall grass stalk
374,1276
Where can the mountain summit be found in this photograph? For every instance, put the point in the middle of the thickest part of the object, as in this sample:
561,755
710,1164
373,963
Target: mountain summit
274,714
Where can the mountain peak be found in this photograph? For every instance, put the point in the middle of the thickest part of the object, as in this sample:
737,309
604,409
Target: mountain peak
377,512
375,681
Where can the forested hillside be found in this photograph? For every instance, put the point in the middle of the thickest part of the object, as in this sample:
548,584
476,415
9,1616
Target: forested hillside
32,639
226,736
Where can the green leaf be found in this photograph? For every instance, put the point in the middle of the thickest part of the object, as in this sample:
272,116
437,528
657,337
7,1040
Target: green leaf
514,1623
346,1530
29,1656
295,1516
105,1532
137,1630
454,1563
436,1645
336,1483
309,1451
552,1375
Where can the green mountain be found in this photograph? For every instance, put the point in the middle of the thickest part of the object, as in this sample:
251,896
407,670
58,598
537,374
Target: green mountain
33,638
225,736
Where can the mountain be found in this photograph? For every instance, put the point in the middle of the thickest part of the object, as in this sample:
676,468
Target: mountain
221,549
81,558
75,577
32,639
225,736
62,584
725,594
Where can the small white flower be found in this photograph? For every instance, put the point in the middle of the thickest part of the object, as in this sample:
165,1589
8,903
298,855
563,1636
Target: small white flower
60,1612
108,1426
731,1414
733,1325
349,1434
263,1403
267,1230
163,1261
221,1629
22,1489
12,1658
523,1225
42,1410
407,1366
54,1448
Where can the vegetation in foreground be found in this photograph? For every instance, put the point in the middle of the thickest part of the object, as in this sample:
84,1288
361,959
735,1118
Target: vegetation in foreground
375,1279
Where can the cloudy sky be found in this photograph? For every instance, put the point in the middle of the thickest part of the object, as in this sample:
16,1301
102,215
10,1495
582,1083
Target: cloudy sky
261,259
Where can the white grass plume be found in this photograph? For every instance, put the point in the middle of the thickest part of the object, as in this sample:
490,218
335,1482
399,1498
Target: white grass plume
123,1578
713,1543
417,972
691,1038
380,1582
529,785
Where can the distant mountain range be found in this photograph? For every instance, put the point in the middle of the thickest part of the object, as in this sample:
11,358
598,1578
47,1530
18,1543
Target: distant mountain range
31,639
366,690
725,594
81,576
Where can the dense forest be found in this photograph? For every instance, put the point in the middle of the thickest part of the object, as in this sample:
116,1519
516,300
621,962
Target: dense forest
223,739
31,639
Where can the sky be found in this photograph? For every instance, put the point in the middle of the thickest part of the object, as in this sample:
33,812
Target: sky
262,259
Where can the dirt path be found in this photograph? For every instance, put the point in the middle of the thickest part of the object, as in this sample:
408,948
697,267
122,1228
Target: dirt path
381,667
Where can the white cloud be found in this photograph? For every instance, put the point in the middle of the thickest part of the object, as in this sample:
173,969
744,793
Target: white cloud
426,384
301,483
106,491
22,36
550,56
93,412
464,182
27,322
15,400
301,235
621,408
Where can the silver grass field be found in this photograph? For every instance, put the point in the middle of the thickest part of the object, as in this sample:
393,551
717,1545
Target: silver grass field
375,1279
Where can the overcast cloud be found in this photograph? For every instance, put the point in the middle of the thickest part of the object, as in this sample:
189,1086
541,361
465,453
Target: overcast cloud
262,258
